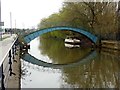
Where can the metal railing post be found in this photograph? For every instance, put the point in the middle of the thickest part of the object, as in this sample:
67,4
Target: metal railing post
10,56
2,77
10,62
15,47
13,56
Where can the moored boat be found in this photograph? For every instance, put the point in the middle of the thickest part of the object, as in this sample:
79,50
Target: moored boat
71,45
72,42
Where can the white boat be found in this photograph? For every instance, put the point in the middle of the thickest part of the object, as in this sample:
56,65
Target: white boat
72,40
71,45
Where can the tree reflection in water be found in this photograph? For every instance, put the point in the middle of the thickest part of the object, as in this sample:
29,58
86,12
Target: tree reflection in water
102,72
24,72
55,49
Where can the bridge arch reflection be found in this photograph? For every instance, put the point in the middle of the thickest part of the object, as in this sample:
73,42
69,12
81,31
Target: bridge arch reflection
31,59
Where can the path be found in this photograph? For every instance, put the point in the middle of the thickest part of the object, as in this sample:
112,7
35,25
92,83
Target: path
5,45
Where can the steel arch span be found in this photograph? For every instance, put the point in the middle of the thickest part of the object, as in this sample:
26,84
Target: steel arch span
35,34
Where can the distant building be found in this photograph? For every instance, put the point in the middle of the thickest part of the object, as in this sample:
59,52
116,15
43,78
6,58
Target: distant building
2,31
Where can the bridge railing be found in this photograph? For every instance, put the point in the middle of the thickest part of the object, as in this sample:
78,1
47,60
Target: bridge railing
6,65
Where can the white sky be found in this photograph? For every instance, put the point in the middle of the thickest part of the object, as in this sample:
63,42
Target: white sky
27,13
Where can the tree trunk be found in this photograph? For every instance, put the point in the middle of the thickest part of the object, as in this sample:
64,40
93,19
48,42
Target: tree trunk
118,33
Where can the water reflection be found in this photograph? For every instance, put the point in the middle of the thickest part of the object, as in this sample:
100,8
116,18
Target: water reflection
56,50
103,71
29,58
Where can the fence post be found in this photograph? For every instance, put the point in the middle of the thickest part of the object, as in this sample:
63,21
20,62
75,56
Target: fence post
2,78
15,47
13,56
10,62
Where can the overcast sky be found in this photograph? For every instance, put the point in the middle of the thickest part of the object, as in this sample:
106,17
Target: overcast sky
28,13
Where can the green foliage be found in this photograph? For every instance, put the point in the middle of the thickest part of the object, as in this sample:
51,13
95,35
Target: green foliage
98,18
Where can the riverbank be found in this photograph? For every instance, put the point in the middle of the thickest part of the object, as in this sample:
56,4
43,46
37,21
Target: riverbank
14,80
109,44
5,36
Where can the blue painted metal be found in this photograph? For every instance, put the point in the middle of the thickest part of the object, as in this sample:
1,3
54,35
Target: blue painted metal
35,34
31,59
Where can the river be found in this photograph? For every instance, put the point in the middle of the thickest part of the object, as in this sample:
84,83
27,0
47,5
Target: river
74,67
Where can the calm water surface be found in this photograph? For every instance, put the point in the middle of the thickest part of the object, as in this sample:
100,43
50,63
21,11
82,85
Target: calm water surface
100,71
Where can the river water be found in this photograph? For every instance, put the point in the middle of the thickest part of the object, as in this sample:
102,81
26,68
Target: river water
74,67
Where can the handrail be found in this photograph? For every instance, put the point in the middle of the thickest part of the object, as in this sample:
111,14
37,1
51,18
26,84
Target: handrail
10,55
8,51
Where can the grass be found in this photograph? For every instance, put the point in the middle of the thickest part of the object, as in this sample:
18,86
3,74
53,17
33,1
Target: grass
5,38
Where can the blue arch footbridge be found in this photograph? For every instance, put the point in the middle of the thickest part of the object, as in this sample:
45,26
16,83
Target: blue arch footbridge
33,35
